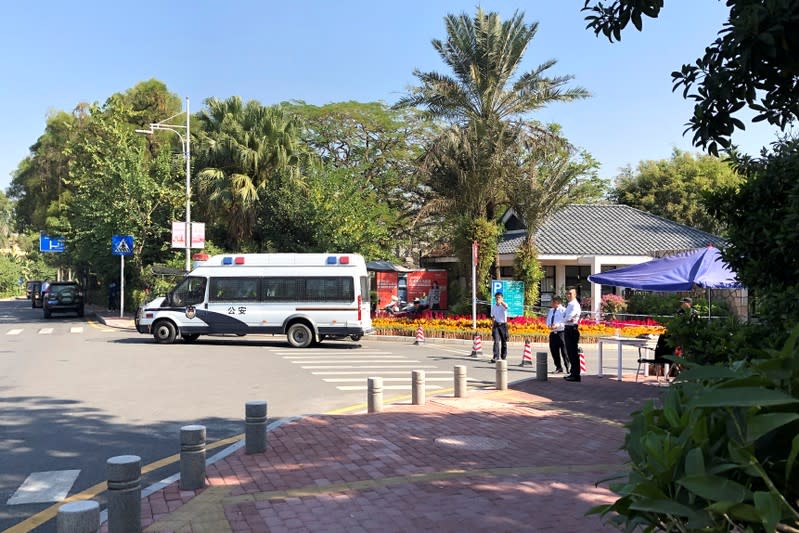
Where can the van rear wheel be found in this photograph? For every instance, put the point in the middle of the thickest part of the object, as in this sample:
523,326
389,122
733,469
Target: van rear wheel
300,335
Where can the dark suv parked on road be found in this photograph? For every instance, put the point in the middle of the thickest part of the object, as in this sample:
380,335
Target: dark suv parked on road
63,296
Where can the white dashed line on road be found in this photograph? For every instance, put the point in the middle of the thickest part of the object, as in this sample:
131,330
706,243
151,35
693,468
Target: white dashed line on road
385,387
46,331
77,329
15,331
44,487
410,367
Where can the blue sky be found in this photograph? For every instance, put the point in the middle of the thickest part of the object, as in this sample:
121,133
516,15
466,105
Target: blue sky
56,54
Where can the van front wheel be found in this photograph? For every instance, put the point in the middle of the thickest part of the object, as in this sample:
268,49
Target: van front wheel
164,332
300,335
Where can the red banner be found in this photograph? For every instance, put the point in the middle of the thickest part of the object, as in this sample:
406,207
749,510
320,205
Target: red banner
429,286
386,288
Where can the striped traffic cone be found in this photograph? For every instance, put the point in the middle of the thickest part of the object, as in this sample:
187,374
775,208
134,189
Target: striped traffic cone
477,345
583,364
419,335
527,356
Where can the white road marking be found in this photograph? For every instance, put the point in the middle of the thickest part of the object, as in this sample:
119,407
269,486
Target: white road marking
76,329
385,387
356,380
46,331
14,331
350,372
338,356
410,367
312,361
302,351
44,487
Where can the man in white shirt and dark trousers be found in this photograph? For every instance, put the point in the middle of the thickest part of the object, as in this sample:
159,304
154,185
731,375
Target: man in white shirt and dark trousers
571,334
499,331
557,343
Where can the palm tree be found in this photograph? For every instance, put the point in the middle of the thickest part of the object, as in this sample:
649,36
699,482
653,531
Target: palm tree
485,102
242,149
481,96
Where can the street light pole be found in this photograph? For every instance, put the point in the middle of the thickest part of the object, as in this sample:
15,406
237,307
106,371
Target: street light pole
186,146
187,155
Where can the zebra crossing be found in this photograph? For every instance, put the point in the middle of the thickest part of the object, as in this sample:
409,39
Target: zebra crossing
72,330
349,371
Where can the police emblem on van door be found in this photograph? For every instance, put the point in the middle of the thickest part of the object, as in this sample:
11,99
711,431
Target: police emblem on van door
191,312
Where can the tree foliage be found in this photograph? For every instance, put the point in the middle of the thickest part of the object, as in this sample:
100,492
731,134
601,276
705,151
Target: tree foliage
763,220
753,63
241,149
676,188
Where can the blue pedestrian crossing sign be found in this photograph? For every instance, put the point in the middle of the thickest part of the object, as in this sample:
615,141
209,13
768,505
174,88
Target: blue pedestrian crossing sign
122,244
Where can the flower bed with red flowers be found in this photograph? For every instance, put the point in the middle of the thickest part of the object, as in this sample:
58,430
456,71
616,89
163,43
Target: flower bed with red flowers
439,325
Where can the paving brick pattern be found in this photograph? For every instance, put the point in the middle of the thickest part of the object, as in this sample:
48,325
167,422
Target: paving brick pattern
386,472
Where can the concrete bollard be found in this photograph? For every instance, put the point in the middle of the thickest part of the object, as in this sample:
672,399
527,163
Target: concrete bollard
540,366
124,494
79,517
255,426
375,395
192,457
502,374
460,381
417,387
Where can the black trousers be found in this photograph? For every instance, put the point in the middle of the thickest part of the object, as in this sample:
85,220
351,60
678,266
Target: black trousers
500,334
572,337
557,347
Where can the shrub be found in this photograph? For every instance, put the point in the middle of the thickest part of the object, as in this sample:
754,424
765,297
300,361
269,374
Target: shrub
721,452
612,305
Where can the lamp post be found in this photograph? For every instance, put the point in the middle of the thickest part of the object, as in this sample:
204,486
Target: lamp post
186,146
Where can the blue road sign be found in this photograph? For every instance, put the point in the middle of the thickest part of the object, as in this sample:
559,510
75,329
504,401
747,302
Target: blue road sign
122,244
513,292
51,244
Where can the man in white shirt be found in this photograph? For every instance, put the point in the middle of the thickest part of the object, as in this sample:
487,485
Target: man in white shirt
557,343
499,330
571,334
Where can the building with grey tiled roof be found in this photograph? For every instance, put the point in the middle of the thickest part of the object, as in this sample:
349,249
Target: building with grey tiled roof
583,239
606,229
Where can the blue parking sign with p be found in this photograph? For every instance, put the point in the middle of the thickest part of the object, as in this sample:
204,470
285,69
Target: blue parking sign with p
122,245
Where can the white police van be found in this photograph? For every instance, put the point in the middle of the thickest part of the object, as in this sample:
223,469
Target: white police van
308,297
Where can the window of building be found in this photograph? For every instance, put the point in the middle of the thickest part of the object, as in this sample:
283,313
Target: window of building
608,289
547,285
577,277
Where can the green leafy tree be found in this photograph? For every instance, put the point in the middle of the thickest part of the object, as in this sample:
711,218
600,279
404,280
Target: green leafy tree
6,220
753,63
763,220
241,148
117,188
41,178
328,211
676,188
378,148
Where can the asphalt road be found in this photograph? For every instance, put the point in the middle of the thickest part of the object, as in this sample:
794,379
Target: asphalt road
74,392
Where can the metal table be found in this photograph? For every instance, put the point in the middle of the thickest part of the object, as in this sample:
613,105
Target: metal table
620,342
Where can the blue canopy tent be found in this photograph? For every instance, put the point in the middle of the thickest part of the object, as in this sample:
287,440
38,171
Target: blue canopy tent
703,267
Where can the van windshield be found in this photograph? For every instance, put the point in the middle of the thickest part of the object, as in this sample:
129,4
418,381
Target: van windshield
190,291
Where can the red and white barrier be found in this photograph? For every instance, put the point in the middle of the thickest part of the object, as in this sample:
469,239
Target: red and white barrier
419,335
583,364
477,345
527,356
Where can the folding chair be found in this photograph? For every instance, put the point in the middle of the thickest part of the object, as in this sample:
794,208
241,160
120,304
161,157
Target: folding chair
651,345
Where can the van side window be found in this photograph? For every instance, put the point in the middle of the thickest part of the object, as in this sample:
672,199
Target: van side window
308,289
233,290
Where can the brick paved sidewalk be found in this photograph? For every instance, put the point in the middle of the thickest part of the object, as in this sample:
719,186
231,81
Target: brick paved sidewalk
522,460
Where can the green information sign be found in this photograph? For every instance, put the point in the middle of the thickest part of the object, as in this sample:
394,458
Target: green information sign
513,291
